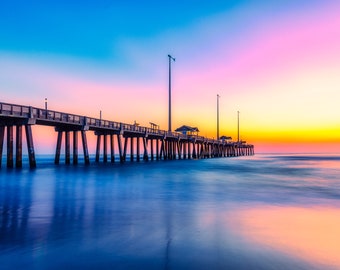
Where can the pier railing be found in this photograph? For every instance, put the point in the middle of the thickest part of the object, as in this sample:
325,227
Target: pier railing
43,115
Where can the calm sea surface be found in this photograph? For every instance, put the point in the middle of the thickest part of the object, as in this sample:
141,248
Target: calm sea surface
261,212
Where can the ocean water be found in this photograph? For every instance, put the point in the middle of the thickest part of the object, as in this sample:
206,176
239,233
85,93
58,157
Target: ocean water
259,212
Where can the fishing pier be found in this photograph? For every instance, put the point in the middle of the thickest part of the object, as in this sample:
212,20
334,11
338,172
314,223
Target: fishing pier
145,143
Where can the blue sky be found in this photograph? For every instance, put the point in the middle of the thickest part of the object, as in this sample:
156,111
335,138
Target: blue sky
94,29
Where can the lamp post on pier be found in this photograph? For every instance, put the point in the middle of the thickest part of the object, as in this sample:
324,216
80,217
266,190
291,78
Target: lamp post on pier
170,60
238,126
218,117
46,107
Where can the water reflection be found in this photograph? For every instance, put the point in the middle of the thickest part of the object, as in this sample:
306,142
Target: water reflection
208,214
311,234
15,201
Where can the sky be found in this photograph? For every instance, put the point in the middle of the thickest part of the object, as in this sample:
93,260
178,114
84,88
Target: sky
276,62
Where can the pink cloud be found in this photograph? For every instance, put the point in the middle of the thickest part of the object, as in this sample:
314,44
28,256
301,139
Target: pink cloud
269,48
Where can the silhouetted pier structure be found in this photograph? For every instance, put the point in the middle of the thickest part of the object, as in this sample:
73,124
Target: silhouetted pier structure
154,143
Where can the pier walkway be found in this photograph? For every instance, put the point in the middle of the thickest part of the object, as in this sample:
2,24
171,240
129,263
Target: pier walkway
144,143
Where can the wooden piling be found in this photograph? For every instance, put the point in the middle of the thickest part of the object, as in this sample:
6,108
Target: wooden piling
75,147
179,149
18,141
30,146
184,145
9,146
157,149
58,147
67,148
98,147
138,149
2,136
151,149
119,142
105,148
125,149
189,150
162,151
131,149
112,148
145,155
85,148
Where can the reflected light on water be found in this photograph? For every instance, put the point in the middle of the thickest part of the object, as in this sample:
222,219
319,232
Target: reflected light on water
312,234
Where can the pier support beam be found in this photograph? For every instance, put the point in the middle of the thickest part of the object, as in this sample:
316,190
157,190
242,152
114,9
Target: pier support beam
157,149
145,155
151,146
112,148
75,156
138,149
105,148
58,147
18,141
179,149
125,149
75,147
131,149
30,146
67,148
9,146
184,150
85,148
195,151
119,141
188,150
18,144
98,147
2,135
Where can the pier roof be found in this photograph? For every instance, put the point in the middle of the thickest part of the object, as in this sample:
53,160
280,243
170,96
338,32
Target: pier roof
186,128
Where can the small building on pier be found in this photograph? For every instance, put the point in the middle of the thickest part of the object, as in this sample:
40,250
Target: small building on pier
187,130
225,138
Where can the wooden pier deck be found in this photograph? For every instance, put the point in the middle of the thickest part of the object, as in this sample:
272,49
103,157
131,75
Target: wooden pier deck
155,144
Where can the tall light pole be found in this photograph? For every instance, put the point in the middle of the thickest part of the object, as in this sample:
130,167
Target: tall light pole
170,60
238,126
218,117
46,107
